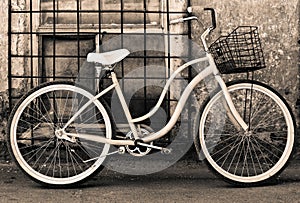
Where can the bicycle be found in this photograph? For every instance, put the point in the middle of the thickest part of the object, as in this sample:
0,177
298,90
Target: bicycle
56,142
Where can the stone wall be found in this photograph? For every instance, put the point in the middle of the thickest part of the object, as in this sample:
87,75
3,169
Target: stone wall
278,23
3,45
3,67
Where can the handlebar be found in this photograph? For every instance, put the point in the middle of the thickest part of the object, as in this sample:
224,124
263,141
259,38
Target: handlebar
207,31
213,17
181,20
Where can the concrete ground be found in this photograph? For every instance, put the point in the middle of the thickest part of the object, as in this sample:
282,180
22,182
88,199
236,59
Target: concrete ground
186,181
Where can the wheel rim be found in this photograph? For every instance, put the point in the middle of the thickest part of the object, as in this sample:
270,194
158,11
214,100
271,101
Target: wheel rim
57,168
235,165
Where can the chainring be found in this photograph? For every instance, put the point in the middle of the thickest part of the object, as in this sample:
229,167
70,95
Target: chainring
139,151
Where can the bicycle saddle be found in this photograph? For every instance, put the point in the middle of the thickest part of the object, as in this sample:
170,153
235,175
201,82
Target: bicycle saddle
108,58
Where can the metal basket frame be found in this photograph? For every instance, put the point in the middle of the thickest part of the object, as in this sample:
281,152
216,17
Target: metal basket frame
238,52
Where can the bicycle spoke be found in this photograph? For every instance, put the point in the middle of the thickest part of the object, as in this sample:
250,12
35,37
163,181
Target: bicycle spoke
49,157
241,156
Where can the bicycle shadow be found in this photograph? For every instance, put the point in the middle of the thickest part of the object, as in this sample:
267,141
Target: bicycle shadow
179,176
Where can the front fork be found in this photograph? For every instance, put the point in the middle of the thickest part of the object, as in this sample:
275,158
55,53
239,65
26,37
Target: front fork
232,113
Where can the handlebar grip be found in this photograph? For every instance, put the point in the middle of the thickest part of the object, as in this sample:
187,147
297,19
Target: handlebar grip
213,17
180,20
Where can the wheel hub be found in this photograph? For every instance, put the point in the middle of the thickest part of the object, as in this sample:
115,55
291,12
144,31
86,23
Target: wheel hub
248,133
60,134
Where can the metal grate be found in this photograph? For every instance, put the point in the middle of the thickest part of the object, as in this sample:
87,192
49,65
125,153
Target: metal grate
51,38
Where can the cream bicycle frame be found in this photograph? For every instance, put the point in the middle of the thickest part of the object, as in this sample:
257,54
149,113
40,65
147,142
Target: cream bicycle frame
211,69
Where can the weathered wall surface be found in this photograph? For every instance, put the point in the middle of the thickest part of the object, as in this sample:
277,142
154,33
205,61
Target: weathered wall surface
3,45
3,66
18,46
278,22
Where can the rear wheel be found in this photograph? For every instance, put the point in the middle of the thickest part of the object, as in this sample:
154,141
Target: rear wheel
39,148
258,155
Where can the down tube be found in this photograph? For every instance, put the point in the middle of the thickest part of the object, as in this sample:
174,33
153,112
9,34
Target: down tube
206,72
166,88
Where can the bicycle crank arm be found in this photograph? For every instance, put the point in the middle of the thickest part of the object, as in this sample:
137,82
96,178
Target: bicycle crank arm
162,149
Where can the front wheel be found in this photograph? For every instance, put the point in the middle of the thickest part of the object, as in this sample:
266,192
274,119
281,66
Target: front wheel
257,155
35,141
